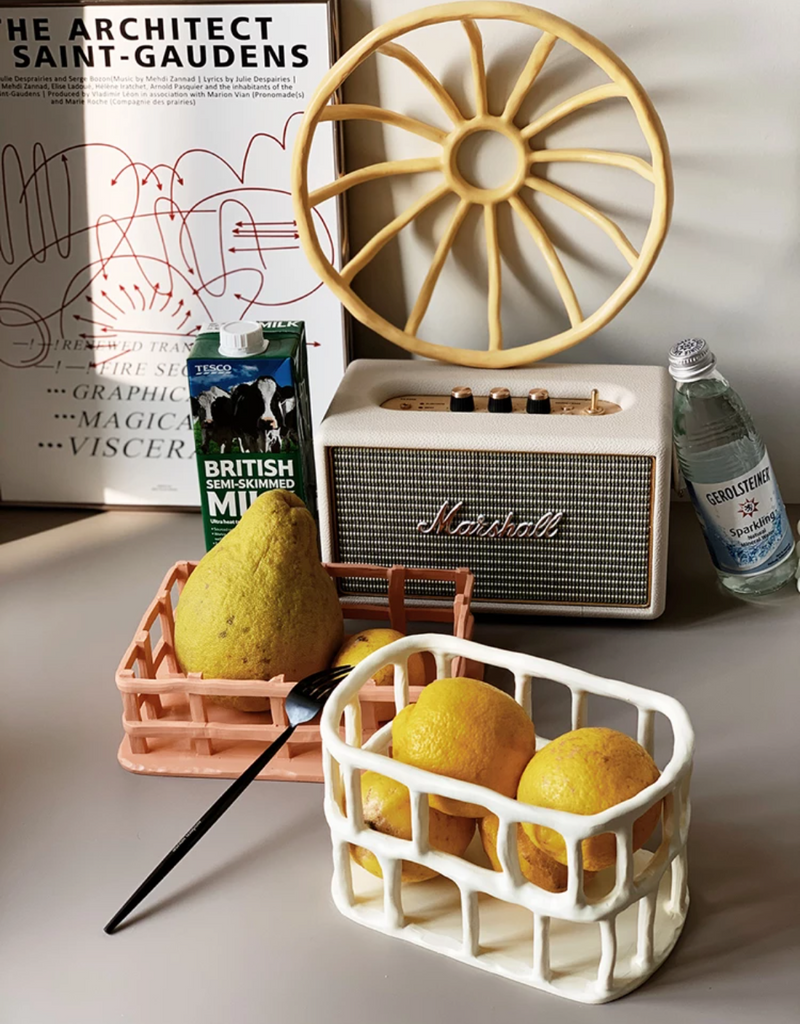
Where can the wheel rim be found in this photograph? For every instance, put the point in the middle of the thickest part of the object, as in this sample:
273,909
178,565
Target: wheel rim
622,84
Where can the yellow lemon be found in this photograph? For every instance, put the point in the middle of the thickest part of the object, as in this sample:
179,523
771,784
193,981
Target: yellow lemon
387,809
357,647
468,730
536,866
587,771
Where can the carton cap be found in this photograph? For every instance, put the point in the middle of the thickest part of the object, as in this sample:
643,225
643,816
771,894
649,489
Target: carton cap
241,338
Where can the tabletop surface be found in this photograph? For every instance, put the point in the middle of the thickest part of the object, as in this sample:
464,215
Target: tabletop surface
244,930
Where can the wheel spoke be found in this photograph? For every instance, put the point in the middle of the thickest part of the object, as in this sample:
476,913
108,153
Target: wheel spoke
577,102
386,234
542,239
590,212
594,156
441,254
535,63
495,283
478,67
367,112
383,170
431,83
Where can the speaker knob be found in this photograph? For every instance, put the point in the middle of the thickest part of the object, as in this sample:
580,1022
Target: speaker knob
500,400
538,401
461,400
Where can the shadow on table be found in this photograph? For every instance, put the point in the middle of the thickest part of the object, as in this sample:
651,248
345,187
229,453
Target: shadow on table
223,873
17,522
742,910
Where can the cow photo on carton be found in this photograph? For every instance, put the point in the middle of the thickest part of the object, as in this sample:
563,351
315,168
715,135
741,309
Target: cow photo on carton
256,417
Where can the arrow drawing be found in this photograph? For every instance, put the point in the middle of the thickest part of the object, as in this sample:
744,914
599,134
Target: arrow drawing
97,306
108,298
86,320
262,248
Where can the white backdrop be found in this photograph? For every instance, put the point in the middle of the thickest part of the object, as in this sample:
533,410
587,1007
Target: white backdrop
724,77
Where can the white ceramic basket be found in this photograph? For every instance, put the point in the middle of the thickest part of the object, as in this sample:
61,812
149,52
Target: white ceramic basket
592,943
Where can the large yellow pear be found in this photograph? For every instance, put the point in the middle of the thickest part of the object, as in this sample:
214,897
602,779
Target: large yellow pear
260,603
355,648
586,771
468,730
387,809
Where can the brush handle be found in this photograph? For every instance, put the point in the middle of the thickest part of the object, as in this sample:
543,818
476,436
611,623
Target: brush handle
198,830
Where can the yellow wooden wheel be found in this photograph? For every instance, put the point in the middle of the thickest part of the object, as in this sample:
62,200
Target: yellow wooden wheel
621,84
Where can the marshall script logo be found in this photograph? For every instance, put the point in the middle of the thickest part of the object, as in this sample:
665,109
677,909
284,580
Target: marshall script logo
446,522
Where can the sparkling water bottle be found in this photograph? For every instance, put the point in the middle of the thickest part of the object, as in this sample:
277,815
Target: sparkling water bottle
729,476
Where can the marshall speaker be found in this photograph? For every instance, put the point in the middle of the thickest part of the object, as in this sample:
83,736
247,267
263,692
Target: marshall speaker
551,483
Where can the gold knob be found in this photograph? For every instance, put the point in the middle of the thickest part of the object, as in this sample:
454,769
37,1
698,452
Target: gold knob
461,400
538,401
500,400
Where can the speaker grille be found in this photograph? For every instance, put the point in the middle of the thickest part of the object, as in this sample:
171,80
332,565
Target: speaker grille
600,555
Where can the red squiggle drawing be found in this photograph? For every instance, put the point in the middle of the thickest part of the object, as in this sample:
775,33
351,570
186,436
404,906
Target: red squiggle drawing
141,250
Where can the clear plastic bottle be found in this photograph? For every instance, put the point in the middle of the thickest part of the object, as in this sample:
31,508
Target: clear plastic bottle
729,476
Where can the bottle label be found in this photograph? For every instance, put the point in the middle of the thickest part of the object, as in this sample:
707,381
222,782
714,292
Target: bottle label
745,522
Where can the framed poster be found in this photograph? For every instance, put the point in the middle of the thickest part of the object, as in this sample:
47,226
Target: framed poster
144,174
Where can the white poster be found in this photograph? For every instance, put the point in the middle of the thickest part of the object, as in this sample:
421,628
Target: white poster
144,191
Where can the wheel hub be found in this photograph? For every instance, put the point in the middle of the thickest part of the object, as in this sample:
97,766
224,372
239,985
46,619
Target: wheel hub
485,133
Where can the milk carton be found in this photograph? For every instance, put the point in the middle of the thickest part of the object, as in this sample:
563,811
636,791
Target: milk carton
248,382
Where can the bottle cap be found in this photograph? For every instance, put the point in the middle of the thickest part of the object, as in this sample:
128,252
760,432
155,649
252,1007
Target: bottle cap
500,400
241,338
691,359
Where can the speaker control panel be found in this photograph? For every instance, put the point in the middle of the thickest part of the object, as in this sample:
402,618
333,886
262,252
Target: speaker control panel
499,400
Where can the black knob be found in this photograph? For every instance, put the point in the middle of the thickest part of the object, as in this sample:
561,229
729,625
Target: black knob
538,401
461,400
500,400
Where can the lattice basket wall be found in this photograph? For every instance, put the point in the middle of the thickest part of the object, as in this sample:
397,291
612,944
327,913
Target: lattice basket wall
172,728
592,943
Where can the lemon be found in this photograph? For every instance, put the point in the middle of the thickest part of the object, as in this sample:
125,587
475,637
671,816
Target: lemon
468,730
260,603
536,866
587,771
357,647
387,809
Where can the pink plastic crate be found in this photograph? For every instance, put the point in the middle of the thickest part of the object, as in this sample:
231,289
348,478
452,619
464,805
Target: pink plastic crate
171,728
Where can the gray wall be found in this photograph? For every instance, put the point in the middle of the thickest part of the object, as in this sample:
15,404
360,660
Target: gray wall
724,77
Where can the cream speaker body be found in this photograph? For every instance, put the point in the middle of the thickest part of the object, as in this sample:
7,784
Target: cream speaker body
564,512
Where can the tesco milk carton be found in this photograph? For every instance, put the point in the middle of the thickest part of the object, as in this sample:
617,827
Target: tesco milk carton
248,383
